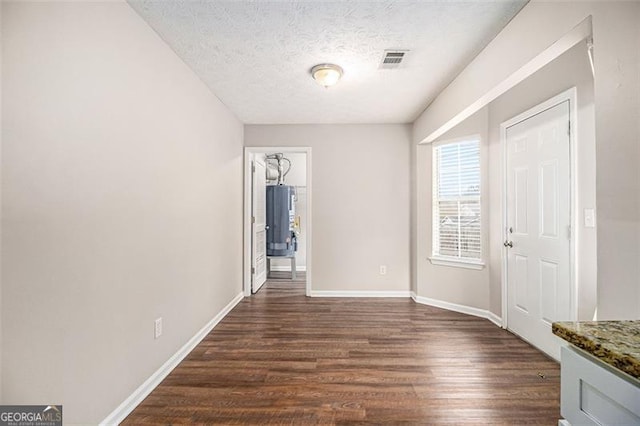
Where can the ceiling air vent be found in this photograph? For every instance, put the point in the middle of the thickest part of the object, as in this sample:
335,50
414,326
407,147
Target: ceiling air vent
393,58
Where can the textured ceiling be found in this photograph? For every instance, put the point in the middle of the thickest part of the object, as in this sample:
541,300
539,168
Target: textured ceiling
256,56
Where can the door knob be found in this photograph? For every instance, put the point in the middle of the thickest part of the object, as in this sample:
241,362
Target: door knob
508,244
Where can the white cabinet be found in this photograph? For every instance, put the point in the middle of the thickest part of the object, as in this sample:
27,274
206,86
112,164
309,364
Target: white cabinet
593,393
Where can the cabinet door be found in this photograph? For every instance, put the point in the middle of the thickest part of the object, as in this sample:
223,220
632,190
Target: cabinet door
593,394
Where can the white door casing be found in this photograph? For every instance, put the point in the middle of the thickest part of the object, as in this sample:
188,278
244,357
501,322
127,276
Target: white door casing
249,154
259,222
538,250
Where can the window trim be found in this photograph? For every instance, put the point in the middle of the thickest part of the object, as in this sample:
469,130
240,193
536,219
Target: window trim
457,262
453,261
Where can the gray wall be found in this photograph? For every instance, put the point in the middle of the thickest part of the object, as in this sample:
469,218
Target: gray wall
483,289
616,31
457,285
569,70
413,217
1,55
360,201
122,203
617,98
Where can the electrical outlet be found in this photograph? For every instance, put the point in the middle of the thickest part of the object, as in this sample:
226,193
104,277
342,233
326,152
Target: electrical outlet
157,332
383,269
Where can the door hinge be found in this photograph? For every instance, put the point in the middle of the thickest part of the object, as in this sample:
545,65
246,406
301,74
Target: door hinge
253,168
569,129
253,219
569,231
253,270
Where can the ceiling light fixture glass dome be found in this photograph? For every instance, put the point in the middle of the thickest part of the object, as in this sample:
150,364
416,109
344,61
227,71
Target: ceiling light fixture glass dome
326,74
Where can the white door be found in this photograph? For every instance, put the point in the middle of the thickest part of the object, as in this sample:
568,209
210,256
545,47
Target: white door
259,231
538,223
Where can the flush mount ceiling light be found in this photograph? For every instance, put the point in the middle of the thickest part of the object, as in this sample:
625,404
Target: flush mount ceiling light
326,74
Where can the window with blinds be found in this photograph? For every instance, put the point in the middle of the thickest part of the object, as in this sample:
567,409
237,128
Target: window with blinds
456,201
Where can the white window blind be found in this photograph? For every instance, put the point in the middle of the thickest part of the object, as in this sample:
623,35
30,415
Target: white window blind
456,201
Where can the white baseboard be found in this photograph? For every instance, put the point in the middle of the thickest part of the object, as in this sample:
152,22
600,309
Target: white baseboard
322,293
494,319
129,404
287,268
463,309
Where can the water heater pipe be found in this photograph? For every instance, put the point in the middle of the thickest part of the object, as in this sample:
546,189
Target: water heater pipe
279,157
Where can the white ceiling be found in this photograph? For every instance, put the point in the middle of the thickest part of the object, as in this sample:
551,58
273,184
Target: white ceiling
256,56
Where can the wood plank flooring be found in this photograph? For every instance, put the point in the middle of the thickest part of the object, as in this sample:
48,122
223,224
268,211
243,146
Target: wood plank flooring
282,358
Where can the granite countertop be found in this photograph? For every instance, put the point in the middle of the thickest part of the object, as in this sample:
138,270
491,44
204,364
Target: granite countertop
616,343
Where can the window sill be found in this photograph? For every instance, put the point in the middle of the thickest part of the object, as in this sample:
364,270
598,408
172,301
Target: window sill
457,263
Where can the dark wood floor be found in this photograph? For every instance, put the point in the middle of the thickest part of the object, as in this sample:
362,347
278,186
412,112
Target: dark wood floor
282,358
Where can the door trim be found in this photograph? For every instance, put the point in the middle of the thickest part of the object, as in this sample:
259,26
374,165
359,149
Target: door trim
246,227
571,96
256,284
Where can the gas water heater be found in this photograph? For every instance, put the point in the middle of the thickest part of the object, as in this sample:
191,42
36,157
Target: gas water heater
281,237
281,212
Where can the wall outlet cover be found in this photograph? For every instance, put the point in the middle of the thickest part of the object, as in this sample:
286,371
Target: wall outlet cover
157,328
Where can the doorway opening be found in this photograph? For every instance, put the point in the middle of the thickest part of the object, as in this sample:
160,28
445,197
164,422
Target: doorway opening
277,218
